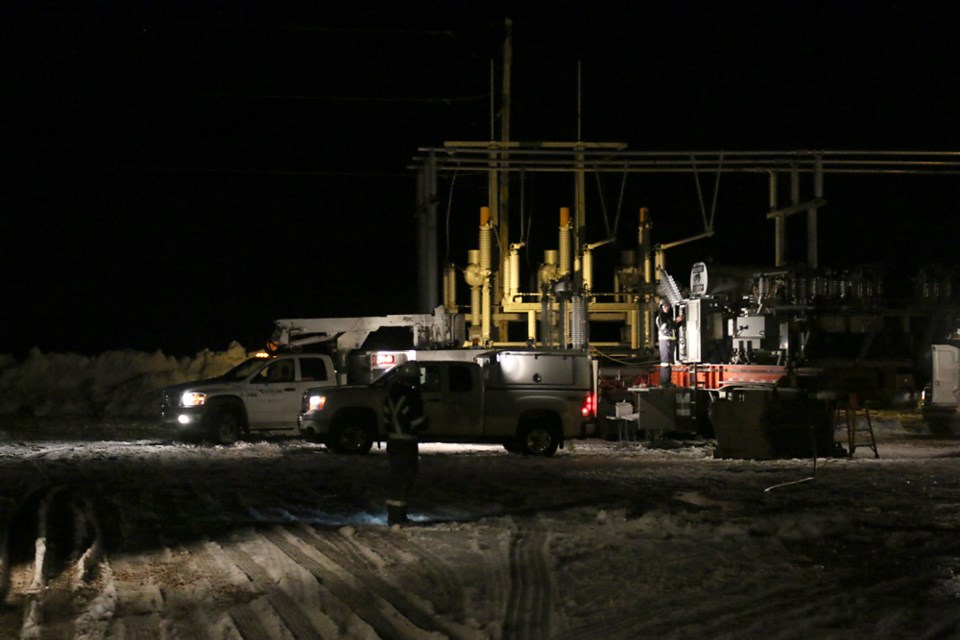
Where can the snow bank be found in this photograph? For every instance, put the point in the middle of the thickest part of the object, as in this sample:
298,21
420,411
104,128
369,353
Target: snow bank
114,384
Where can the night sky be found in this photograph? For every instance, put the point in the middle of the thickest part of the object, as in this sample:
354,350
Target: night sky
177,175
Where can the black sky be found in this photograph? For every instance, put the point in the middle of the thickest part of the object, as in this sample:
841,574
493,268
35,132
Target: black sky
177,175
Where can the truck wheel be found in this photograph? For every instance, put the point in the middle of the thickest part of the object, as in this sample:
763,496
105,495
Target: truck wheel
225,426
350,438
939,427
539,440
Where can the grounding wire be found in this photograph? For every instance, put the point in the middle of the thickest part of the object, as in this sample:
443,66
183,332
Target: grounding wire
813,442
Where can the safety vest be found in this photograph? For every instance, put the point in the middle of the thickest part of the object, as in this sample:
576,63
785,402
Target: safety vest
403,413
666,330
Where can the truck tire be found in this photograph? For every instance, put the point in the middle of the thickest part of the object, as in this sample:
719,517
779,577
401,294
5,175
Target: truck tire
939,427
225,425
539,439
350,437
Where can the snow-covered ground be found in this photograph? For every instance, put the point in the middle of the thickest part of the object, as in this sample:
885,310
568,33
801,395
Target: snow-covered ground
108,529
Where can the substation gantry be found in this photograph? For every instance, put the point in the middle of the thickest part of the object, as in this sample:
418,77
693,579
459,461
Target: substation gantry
569,298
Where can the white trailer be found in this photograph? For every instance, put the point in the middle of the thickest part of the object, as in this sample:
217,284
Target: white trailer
940,402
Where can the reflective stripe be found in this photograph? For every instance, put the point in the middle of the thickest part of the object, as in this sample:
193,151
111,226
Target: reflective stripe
392,411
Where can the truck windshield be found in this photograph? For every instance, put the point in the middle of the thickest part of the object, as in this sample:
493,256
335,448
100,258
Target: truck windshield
244,369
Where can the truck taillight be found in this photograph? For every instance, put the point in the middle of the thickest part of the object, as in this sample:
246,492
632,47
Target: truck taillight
588,408
383,360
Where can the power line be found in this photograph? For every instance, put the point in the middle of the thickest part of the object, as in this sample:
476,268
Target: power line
433,100
279,172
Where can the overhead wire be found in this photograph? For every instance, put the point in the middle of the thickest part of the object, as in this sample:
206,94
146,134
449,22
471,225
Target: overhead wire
453,180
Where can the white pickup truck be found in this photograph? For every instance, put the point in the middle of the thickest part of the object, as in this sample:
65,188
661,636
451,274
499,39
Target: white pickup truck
258,395
528,401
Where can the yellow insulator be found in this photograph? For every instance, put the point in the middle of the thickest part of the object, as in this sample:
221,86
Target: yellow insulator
505,281
475,306
450,288
514,273
486,248
485,312
588,270
565,253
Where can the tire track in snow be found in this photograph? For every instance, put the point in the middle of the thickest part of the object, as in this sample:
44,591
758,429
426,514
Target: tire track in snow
335,545
437,571
530,610
247,623
345,588
213,560
476,582
295,620
196,609
48,555
490,593
344,554
143,627
138,598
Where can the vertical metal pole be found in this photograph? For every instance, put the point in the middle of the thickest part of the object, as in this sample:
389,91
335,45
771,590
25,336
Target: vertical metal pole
812,257
779,238
580,201
493,99
645,241
427,267
501,216
794,194
493,173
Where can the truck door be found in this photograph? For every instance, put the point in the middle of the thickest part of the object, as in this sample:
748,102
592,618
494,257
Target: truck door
278,388
452,400
270,388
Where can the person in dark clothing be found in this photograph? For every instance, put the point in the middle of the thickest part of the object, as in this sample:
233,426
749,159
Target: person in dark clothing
403,420
667,340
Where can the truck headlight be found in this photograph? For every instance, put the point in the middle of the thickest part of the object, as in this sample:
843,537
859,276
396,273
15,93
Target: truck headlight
315,403
192,399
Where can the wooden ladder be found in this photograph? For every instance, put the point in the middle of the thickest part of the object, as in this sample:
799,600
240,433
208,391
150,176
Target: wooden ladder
850,407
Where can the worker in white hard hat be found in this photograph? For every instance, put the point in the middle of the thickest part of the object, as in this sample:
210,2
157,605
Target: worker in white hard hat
667,339
403,419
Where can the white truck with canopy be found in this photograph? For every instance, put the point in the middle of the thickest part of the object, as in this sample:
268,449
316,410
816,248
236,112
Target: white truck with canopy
528,401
